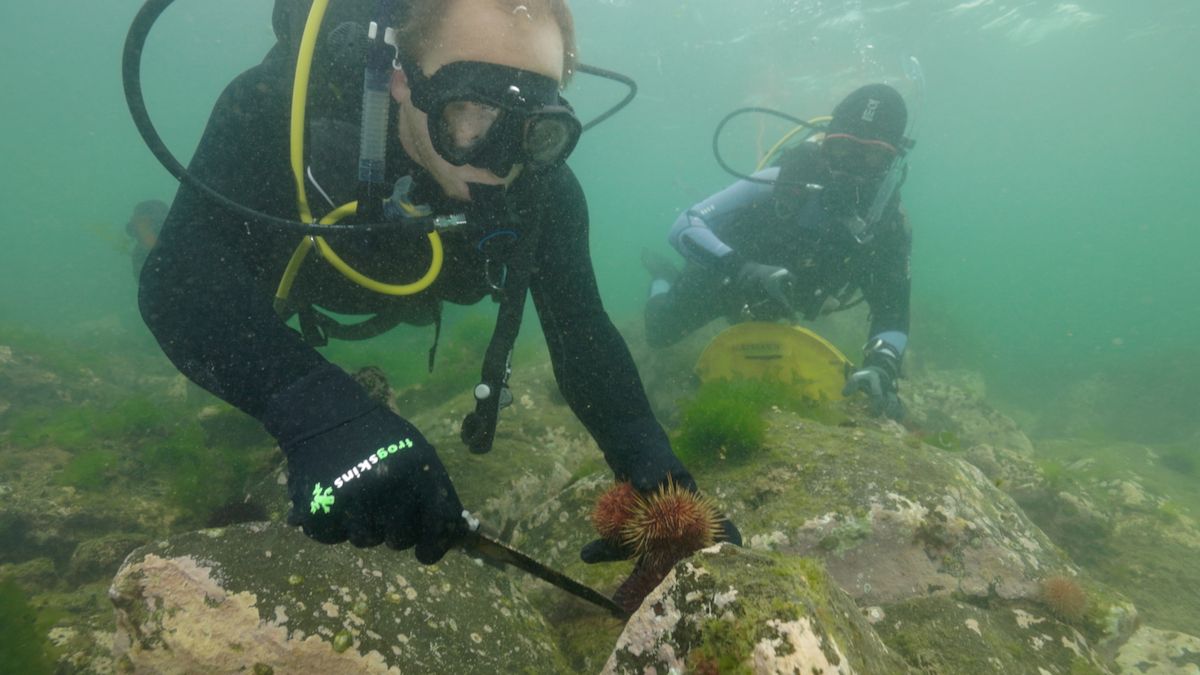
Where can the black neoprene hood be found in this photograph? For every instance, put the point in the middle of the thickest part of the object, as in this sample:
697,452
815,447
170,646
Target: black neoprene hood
875,111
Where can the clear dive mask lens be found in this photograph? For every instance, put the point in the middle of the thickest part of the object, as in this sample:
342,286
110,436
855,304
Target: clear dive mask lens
549,136
495,117
463,125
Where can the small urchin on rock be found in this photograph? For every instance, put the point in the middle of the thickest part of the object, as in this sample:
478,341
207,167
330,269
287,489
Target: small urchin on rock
1065,597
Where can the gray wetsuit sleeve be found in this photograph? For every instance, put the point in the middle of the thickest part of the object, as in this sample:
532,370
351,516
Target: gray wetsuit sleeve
693,236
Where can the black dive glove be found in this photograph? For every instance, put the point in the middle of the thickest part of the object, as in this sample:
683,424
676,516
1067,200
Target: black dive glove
878,378
372,479
647,472
765,290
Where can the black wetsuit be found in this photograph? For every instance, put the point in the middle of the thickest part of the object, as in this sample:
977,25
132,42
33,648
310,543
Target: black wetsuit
207,288
790,227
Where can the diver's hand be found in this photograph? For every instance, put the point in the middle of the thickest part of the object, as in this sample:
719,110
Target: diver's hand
765,290
374,480
877,378
881,389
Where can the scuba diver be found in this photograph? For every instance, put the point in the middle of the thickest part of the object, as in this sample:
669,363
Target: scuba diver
143,228
820,231
469,197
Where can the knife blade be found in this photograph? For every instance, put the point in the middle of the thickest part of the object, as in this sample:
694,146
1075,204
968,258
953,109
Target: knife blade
477,544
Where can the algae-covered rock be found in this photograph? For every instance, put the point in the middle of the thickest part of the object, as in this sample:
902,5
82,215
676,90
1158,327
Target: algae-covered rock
893,520
730,610
100,558
31,575
939,634
952,403
260,595
1157,652
1132,522
553,534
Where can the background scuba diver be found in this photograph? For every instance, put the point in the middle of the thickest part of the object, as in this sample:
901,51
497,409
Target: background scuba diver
356,470
799,238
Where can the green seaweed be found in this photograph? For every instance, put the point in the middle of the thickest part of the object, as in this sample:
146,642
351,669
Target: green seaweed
1056,475
78,425
35,426
23,646
198,477
143,440
90,469
723,421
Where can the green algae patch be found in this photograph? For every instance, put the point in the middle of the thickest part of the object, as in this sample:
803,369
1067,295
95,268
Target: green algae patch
172,450
90,469
23,647
724,421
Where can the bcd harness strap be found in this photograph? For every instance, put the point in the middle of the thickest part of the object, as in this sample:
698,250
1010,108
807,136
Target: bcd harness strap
514,251
509,248
317,327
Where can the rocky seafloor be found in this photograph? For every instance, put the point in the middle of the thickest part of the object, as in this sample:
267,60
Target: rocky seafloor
141,531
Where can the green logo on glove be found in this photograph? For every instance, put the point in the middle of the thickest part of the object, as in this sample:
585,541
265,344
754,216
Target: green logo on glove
322,499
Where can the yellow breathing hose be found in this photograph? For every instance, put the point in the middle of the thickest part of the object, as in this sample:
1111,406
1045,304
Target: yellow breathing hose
308,43
775,149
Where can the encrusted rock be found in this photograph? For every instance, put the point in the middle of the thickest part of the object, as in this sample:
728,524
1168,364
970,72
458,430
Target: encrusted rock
259,595
893,521
939,634
1158,652
732,610
953,402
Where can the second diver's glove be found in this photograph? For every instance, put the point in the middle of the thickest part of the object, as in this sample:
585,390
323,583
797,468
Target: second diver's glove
878,379
372,479
765,290
648,472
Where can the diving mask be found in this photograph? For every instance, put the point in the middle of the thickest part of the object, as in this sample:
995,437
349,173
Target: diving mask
495,117
858,156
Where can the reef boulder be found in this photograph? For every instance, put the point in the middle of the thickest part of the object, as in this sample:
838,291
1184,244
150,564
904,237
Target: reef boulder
730,610
944,563
264,598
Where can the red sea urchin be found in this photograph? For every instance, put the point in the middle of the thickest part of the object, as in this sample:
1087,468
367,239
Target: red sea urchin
672,522
613,509
659,529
